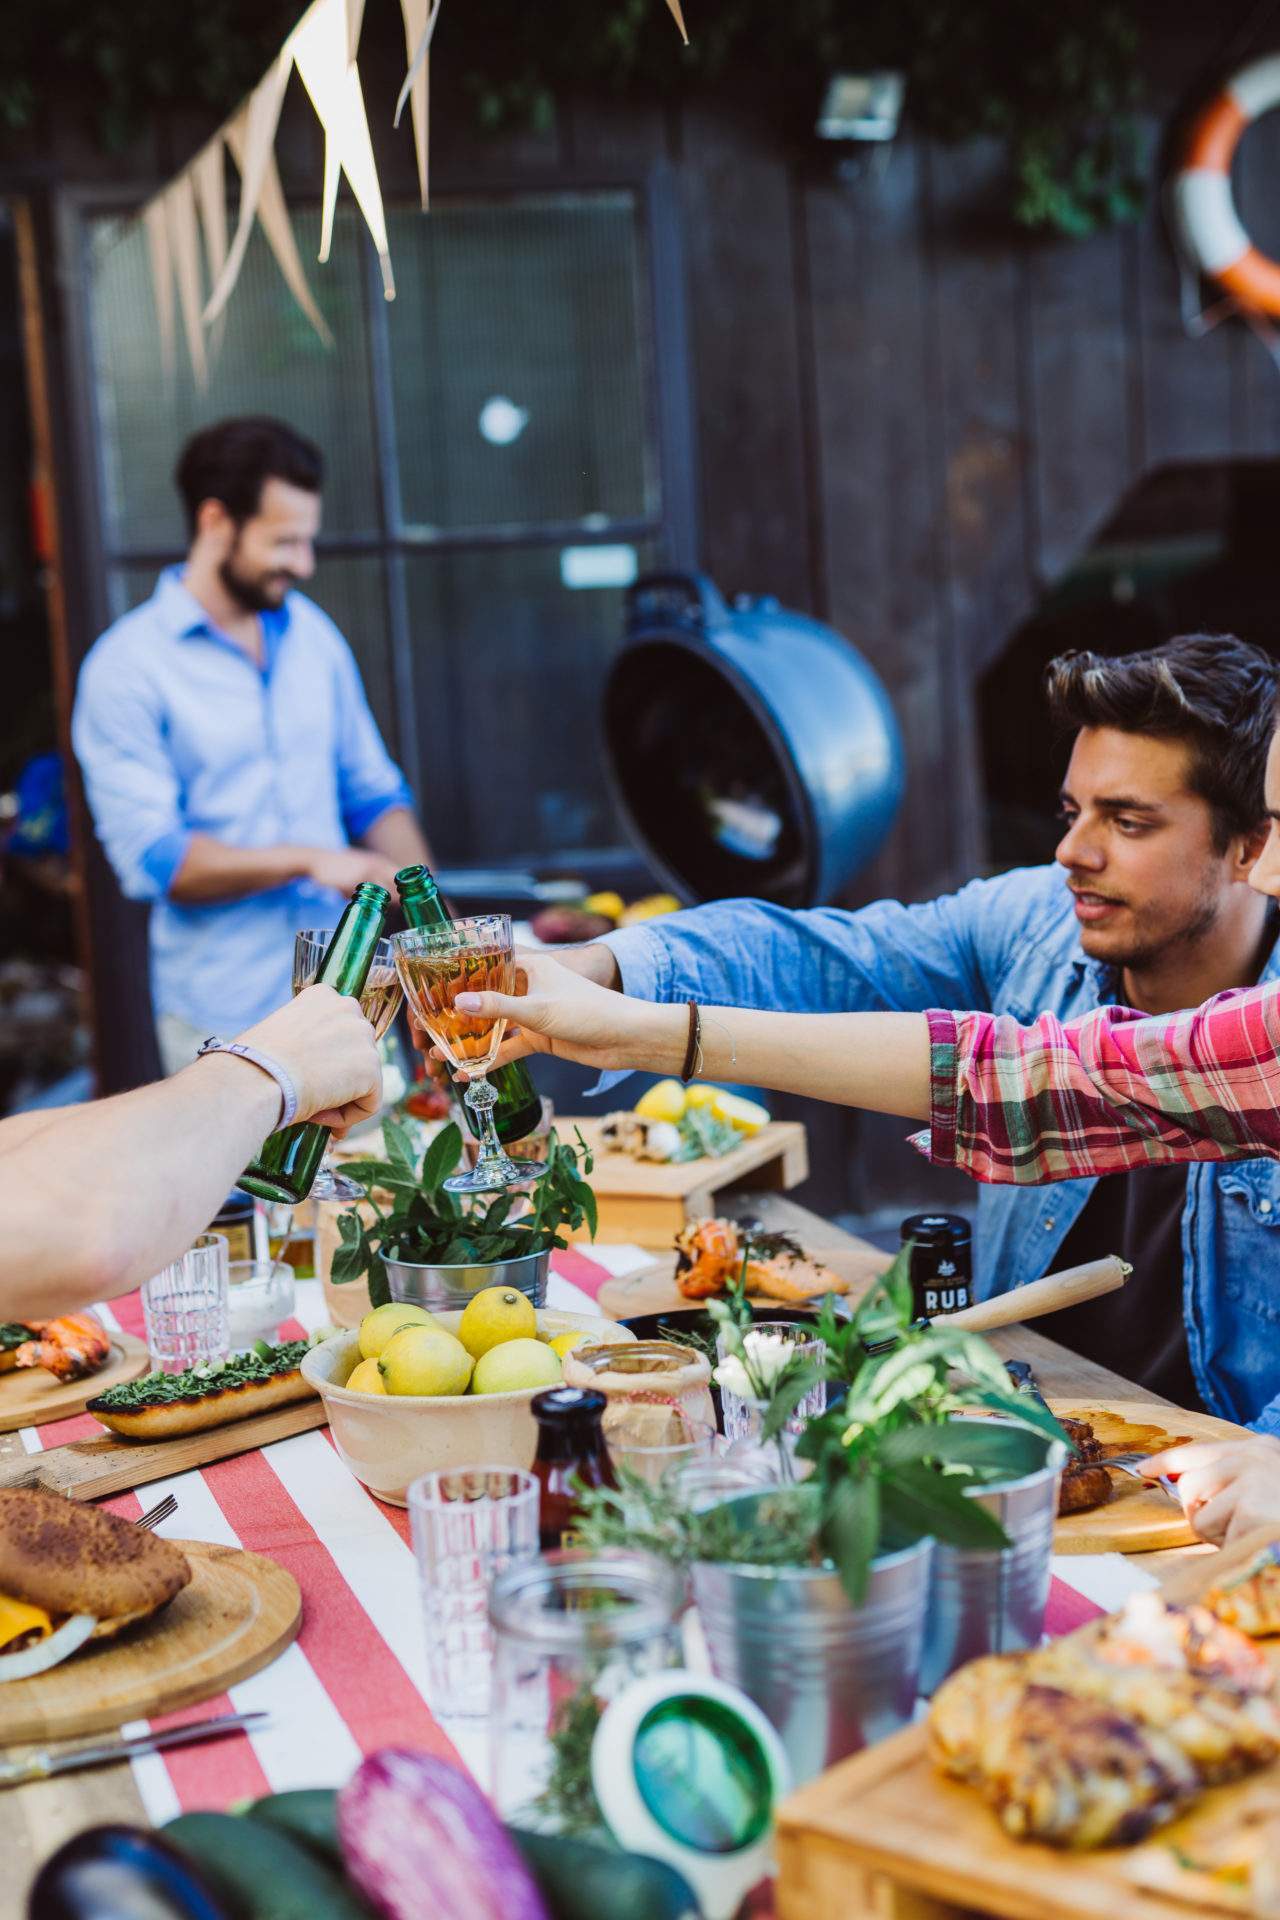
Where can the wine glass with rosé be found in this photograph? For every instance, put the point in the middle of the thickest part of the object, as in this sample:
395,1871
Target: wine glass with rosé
435,965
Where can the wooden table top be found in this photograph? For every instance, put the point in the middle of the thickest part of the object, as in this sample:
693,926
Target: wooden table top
39,1817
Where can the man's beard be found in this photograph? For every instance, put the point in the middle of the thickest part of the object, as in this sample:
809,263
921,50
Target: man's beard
1148,953
250,592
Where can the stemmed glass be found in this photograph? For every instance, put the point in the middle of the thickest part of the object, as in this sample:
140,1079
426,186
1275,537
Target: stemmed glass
435,965
379,1003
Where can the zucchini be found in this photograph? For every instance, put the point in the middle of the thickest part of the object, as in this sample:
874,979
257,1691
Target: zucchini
580,1881
260,1872
308,1814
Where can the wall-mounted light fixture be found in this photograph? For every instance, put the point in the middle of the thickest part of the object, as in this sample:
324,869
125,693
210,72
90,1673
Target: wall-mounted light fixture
863,111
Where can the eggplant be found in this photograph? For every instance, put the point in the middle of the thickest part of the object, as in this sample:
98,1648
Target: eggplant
419,1839
120,1873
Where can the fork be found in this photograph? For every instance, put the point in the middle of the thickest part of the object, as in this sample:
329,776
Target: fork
1128,1463
162,1510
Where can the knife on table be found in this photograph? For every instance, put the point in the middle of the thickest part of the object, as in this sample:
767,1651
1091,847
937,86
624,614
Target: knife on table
50,1760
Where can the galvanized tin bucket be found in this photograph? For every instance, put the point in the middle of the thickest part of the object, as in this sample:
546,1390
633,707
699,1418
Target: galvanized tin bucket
830,1678
441,1288
993,1601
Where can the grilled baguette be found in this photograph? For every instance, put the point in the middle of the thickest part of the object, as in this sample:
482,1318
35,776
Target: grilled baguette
163,1406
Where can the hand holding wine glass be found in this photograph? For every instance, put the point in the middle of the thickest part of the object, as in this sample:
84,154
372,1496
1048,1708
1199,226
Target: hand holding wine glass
440,967
551,1008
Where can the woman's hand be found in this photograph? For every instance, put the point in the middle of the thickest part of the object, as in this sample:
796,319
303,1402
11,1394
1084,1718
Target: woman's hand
1227,1487
557,1011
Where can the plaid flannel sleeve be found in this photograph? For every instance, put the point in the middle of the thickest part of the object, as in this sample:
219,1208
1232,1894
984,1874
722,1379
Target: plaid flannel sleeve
1116,1089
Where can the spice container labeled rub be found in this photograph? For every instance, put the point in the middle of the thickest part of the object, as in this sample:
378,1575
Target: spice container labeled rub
571,1630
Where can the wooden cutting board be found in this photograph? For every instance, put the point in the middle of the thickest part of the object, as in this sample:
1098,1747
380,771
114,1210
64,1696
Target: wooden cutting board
885,1834
91,1469
29,1396
1138,1518
237,1614
647,1203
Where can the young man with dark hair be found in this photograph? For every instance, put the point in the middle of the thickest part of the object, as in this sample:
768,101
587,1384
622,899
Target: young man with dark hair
1147,906
236,776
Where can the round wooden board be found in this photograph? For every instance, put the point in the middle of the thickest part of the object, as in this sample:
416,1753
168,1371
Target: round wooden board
238,1612
1138,1518
29,1396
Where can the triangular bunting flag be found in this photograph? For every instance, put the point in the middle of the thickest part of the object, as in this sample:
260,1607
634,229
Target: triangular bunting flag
318,46
250,135
184,245
419,25
678,17
157,230
209,175
278,228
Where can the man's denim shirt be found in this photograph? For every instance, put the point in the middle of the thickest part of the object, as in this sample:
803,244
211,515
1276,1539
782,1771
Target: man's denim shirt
1008,945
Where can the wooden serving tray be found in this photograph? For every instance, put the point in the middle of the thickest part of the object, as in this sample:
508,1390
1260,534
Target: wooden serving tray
91,1469
647,1204
237,1614
885,1835
29,1396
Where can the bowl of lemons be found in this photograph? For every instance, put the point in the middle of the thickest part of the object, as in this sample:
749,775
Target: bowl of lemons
409,1391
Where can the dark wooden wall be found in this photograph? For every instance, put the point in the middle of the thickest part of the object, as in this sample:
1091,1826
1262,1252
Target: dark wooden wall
909,417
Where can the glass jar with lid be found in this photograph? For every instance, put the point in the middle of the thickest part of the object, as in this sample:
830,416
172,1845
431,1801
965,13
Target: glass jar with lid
571,1630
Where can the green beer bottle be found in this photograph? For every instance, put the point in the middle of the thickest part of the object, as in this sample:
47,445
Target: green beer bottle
519,1108
290,1159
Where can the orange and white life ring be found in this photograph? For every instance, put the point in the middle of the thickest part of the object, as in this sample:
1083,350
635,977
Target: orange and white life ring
1208,226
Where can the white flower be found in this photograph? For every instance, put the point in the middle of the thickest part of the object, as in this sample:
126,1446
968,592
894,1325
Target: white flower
731,1375
765,1356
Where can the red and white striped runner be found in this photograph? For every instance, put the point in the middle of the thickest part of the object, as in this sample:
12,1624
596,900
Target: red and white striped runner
355,1678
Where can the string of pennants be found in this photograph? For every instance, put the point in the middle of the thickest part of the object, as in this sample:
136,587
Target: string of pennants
192,209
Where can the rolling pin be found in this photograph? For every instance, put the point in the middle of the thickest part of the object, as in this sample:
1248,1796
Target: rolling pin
1056,1290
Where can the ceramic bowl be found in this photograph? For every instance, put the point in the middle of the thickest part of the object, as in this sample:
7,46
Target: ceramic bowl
388,1440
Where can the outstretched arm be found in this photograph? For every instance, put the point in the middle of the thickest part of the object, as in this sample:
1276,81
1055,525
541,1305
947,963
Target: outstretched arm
1009,1103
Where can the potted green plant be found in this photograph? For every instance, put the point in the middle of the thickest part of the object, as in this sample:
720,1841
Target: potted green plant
814,1597
424,1245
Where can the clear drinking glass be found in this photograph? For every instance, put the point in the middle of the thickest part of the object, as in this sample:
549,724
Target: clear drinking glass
571,1631
741,1416
185,1308
435,965
261,1294
686,1440
379,1003
468,1524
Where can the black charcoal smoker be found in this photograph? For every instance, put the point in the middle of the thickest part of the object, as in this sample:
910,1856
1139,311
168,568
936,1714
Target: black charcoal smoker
752,750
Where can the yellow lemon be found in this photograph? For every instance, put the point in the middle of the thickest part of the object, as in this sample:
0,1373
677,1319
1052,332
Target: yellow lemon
746,1115
495,1315
424,1360
378,1326
649,908
664,1100
699,1095
566,1342
515,1366
365,1378
611,905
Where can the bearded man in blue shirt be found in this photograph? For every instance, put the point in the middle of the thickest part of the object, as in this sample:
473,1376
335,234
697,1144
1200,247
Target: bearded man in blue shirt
1147,904
236,777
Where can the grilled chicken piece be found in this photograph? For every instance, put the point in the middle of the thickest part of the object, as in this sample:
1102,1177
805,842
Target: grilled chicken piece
1251,1601
1096,1738
68,1348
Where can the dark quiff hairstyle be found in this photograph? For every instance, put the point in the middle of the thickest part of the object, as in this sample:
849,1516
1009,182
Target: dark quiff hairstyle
1213,691
232,460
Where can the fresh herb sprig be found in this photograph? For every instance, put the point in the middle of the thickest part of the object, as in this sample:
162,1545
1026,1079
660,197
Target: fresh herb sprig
890,1462
416,1219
